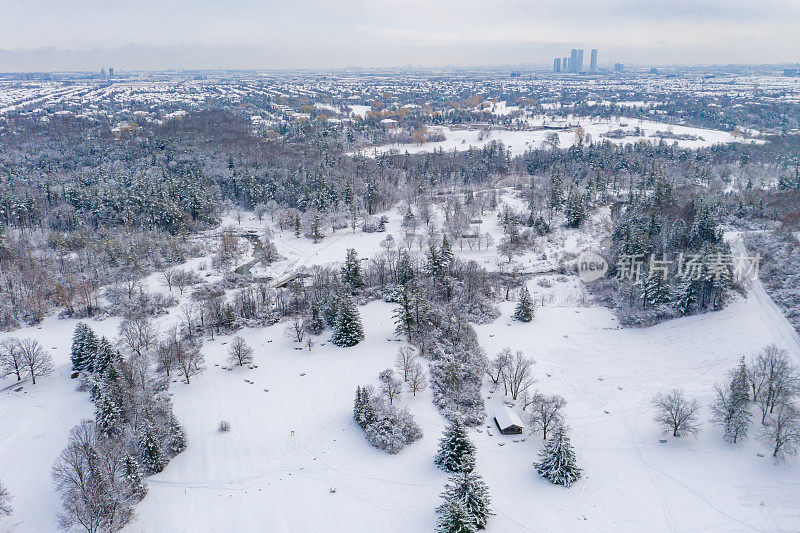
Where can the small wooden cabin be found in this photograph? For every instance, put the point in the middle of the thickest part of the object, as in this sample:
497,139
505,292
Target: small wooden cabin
508,421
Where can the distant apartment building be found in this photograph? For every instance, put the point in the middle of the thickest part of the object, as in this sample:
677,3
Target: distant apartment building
579,66
593,61
564,64
557,64
619,67
110,72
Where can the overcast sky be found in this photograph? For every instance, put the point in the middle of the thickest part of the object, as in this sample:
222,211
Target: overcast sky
162,34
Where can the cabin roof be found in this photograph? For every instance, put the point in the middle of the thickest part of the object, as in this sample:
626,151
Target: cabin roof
506,417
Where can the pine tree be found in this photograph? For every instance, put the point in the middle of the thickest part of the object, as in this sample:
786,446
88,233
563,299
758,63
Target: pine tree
455,518
176,441
315,324
456,452
687,296
84,348
348,330
108,414
655,290
524,309
557,460
358,408
731,408
150,450
351,271
405,271
446,254
574,210
469,488
137,489
104,355
404,315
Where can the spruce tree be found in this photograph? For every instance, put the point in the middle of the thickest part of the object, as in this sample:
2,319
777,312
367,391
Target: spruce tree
455,518
108,414
150,450
405,270
137,489
524,309
104,355
84,346
351,271
446,253
731,408
574,210
348,330
404,315
557,460
315,323
456,452
469,488
176,436
358,408
686,296
655,290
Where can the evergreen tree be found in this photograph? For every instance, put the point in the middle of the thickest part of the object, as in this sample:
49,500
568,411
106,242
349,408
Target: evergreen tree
404,315
104,356
348,330
108,414
575,209
686,296
405,271
351,271
176,437
456,452
455,518
137,489
731,408
556,197
446,254
150,450
524,309
315,323
358,408
84,346
557,460
655,290
469,488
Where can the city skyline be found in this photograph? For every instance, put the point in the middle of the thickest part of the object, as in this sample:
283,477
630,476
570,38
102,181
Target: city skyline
36,35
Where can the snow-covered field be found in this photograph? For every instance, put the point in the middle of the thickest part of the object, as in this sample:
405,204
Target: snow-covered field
520,140
293,438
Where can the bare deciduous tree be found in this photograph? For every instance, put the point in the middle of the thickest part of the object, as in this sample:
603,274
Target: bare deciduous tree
782,431
89,476
35,360
676,413
188,358
295,329
417,381
239,353
516,372
546,412
391,387
11,358
773,380
404,361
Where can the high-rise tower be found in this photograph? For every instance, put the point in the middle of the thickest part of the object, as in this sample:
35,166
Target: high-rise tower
579,66
593,61
557,64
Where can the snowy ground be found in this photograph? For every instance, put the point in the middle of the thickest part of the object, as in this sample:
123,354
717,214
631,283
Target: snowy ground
293,437
519,141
